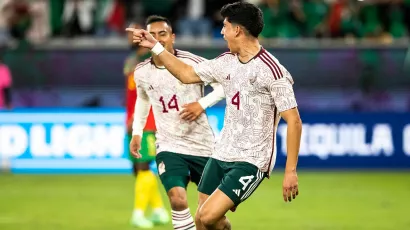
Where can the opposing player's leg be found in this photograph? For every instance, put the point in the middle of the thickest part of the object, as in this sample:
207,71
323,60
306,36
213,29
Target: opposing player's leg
142,196
159,213
145,183
173,171
212,175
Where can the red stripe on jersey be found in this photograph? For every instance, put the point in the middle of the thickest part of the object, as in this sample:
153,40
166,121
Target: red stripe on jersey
196,60
200,59
275,68
142,64
275,110
269,65
223,54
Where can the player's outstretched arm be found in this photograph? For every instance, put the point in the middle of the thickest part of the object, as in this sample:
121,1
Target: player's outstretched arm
182,71
294,132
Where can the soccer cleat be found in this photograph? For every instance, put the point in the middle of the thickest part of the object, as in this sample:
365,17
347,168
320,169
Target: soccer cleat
160,217
141,222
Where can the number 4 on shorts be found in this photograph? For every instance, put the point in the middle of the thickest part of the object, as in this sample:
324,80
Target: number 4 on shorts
245,181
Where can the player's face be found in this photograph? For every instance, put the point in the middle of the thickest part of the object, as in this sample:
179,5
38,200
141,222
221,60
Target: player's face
163,34
229,33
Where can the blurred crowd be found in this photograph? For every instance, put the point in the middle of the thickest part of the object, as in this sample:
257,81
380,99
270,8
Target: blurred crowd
336,18
38,20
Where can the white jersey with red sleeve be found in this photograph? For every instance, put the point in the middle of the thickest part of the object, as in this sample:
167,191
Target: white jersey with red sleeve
256,92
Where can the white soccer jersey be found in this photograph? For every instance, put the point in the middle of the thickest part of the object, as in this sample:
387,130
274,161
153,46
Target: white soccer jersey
167,95
256,92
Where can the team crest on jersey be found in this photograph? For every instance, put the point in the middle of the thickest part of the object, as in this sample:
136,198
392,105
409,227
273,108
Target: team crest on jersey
161,168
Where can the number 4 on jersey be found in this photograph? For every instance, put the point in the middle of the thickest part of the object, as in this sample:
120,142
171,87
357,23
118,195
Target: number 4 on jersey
236,100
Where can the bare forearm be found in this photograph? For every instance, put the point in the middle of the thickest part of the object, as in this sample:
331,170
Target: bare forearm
294,132
182,71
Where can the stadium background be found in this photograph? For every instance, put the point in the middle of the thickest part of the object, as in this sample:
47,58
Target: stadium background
62,146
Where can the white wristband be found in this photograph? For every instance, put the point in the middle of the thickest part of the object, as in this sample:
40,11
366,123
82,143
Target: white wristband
157,49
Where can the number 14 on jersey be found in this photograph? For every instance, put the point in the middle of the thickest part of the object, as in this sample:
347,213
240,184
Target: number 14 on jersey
172,104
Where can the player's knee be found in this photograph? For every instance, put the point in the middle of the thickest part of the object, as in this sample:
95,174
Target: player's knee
227,224
206,218
197,218
178,202
198,221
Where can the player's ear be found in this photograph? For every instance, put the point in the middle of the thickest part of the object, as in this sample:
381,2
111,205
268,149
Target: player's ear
237,30
173,38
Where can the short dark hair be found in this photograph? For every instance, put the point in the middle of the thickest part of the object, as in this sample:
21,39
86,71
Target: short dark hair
156,18
244,14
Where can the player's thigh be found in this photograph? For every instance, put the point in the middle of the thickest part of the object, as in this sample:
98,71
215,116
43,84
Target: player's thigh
241,181
172,169
196,167
148,150
211,177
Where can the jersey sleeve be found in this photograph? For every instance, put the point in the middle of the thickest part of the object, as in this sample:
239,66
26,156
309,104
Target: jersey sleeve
138,75
206,70
212,71
142,106
282,94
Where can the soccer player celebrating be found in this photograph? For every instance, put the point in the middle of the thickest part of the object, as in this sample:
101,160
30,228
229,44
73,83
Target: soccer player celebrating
184,137
258,93
146,185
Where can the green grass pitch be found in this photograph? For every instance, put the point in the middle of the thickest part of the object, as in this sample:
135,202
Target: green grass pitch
328,201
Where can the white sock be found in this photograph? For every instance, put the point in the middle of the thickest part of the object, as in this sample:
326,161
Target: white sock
137,213
158,210
182,220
